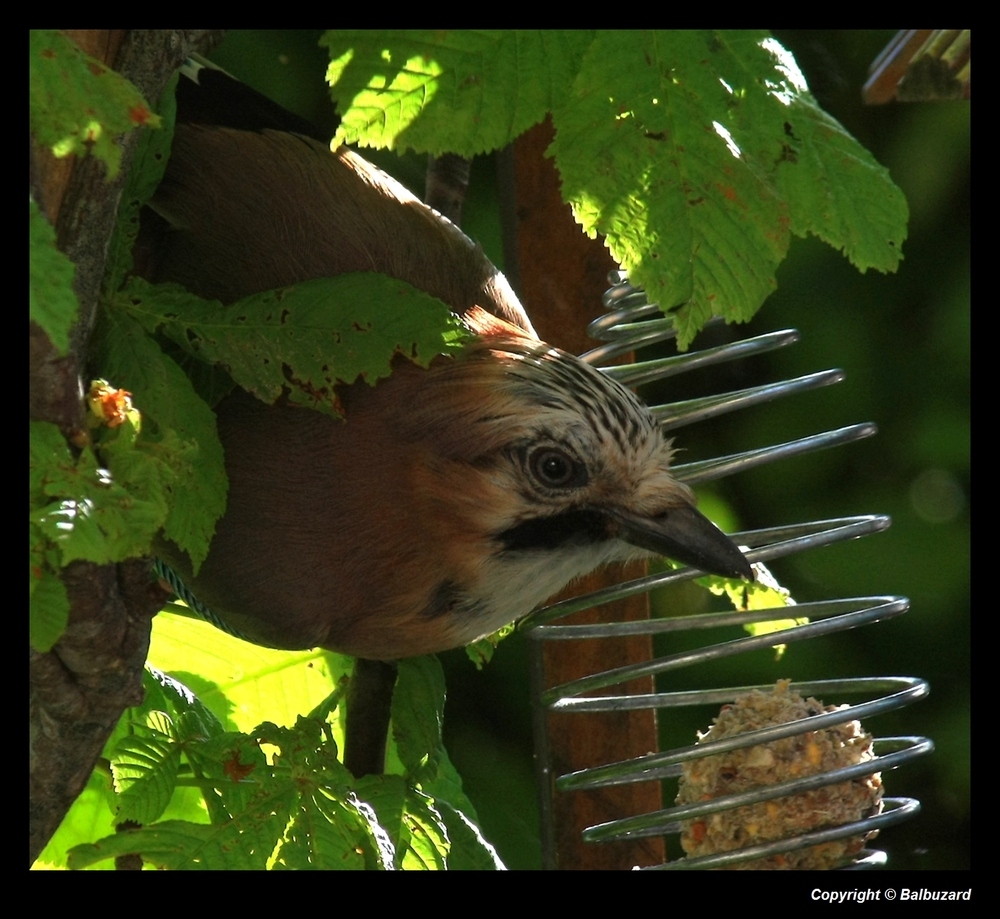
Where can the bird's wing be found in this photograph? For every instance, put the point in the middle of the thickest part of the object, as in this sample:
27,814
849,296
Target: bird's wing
251,209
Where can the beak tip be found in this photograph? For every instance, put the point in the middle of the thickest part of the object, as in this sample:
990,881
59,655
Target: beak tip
725,561
745,572
688,536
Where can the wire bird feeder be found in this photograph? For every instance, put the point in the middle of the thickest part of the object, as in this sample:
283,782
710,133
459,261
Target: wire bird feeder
626,327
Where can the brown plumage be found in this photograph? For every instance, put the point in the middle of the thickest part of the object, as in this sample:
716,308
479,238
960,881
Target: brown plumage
452,499
260,210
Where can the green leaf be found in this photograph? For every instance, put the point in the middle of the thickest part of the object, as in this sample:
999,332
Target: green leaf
145,773
77,104
51,300
469,850
646,161
93,518
481,652
48,460
697,153
101,514
764,593
189,718
330,827
424,842
337,830
386,795
243,788
418,713
297,810
310,336
126,355
439,91
841,194
174,844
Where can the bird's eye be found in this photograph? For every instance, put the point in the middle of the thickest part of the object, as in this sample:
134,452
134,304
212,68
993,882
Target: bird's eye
555,469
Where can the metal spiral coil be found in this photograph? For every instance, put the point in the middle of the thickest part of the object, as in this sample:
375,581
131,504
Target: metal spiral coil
631,323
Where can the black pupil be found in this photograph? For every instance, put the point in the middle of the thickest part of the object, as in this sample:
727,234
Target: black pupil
554,468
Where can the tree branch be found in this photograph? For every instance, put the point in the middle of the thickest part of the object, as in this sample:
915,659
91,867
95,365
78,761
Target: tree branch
80,688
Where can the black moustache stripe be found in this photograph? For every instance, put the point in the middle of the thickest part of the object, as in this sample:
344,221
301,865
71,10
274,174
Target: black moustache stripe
559,531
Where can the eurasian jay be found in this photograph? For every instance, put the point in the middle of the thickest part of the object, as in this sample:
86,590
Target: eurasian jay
450,500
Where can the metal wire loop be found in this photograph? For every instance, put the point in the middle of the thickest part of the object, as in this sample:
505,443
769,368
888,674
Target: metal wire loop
632,323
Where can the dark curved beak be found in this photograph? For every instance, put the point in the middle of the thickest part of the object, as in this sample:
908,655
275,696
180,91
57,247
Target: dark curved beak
684,535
